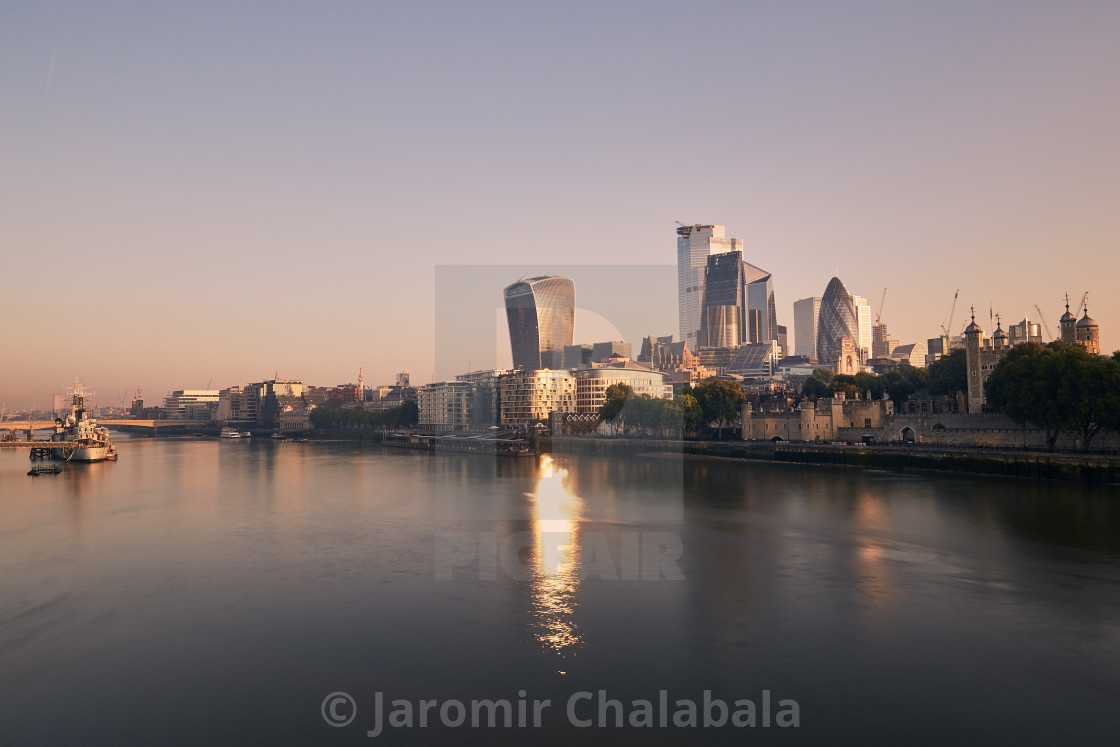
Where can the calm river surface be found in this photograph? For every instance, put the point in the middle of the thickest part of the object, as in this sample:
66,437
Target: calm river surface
216,592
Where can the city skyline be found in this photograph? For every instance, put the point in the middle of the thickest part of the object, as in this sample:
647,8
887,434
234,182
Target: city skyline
186,179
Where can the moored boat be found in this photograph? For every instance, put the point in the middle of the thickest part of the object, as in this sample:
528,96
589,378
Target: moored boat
78,437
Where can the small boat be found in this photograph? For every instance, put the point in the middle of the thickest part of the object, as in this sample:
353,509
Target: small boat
278,434
229,433
45,469
246,434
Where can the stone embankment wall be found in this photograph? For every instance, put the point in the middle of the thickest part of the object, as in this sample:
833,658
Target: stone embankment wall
945,429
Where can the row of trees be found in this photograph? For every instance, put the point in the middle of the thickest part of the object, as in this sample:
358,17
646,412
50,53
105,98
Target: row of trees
405,416
717,402
898,383
946,376
1057,388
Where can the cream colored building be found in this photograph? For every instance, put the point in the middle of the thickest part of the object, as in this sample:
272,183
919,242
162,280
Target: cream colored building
592,385
528,397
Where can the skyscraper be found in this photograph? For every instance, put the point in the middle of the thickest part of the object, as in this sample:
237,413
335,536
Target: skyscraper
805,314
738,303
762,312
881,345
694,245
863,321
837,320
541,313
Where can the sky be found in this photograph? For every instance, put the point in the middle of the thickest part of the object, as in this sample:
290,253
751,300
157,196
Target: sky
210,193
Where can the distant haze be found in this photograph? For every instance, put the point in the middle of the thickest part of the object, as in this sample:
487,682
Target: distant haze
215,192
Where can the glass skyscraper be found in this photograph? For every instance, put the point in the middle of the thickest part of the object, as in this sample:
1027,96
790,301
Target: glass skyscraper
837,320
738,305
694,245
806,311
541,313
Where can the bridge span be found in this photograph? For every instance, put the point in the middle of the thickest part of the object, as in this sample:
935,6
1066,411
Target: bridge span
122,424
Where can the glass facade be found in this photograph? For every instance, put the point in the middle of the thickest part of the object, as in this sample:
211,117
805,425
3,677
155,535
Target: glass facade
738,303
541,313
694,245
837,320
761,308
806,311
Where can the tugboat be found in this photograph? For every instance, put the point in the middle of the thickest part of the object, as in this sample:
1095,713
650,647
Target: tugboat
79,436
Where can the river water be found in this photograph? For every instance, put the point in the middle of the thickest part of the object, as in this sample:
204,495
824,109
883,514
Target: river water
251,591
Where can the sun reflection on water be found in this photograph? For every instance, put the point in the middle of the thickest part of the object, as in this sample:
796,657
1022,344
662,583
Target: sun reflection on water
555,581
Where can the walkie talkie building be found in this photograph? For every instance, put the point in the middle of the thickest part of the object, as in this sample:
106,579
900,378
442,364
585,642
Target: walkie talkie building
541,313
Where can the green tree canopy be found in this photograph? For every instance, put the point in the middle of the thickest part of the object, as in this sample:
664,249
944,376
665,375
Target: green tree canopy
1057,387
948,374
720,401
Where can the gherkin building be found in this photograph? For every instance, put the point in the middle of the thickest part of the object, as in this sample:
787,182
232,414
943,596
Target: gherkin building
837,320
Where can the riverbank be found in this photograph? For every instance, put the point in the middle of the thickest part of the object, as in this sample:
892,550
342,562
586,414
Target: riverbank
1031,465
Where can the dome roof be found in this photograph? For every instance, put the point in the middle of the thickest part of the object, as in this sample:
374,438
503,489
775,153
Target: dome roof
1086,321
1068,317
1000,334
973,327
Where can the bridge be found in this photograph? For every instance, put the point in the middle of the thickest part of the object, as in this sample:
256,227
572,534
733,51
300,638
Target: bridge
123,424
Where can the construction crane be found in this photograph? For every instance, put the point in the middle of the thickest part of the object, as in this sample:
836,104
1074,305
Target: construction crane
1045,326
947,326
1084,300
881,302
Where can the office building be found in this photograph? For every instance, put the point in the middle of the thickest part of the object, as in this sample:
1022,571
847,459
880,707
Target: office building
914,354
881,345
758,359
191,404
694,245
805,314
238,405
601,351
783,341
541,316
1024,331
592,385
863,326
837,321
762,314
738,303
577,355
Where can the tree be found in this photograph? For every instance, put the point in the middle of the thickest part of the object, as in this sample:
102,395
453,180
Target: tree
1057,387
1090,393
691,414
949,374
819,384
720,401
611,409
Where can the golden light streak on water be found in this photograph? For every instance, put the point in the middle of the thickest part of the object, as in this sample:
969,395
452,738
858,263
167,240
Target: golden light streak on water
556,513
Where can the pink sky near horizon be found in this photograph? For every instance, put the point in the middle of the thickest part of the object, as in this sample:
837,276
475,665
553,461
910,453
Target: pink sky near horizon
214,193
